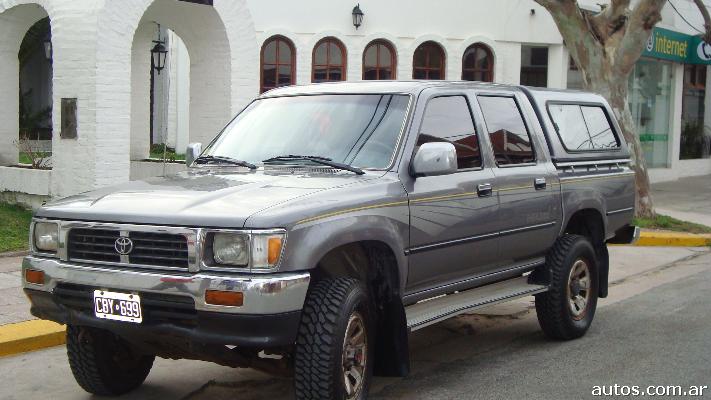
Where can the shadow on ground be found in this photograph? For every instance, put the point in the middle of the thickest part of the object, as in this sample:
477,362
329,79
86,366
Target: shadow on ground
435,348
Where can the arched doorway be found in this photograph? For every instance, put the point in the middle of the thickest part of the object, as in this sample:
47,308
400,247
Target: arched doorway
161,93
190,98
26,70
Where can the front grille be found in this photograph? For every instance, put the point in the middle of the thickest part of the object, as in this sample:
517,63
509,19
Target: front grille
93,245
157,308
159,249
162,250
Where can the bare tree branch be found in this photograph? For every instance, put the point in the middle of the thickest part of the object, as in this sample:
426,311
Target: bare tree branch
611,20
645,15
707,19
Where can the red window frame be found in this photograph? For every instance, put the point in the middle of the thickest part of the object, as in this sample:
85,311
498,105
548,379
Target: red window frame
327,41
488,71
292,63
427,68
378,63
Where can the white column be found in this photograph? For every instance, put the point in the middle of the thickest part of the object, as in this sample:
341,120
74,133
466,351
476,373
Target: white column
557,66
182,96
677,97
707,100
9,103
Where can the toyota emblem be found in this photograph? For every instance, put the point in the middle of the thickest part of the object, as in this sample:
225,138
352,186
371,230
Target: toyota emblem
123,245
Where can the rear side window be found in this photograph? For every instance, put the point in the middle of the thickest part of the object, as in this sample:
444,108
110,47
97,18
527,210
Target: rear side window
448,119
582,127
507,131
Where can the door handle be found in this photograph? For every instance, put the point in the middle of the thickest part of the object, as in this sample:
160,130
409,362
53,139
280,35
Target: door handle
484,189
539,183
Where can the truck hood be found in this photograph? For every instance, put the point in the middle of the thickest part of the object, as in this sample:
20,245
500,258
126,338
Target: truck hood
200,198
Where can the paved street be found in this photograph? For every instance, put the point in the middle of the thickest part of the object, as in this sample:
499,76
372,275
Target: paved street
653,330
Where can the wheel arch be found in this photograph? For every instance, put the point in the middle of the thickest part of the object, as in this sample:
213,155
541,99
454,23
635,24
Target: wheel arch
589,222
374,263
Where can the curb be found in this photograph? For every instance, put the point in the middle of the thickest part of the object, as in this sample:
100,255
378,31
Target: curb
678,239
29,336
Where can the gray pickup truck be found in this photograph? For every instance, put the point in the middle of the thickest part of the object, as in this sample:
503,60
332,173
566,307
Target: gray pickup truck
326,222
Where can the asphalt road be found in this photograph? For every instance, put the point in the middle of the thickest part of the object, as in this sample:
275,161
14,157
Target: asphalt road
655,329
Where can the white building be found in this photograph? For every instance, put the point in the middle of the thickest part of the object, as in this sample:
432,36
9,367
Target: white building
222,53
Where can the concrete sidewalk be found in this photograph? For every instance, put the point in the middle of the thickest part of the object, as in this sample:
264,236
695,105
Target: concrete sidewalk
14,306
687,199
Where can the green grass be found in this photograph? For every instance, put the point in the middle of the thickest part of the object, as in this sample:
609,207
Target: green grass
25,159
14,227
670,224
170,154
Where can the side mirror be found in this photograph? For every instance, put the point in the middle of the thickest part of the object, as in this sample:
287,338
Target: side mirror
193,151
435,158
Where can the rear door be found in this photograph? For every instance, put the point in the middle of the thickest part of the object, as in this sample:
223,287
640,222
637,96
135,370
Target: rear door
528,187
452,217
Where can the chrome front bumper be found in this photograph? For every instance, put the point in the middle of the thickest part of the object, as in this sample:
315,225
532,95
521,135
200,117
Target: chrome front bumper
263,294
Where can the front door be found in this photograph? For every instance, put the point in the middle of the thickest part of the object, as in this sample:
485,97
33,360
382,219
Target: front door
452,217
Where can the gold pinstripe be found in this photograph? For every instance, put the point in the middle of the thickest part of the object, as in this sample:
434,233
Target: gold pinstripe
350,210
444,197
508,189
593,178
448,197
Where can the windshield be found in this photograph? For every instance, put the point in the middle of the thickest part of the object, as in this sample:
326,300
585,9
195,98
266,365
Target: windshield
358,130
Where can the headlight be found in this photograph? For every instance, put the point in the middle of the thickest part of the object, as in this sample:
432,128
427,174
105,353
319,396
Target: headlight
231,249
259,250
46,236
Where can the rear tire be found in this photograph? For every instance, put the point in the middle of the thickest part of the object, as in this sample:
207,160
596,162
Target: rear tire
103,363
567,309
334,357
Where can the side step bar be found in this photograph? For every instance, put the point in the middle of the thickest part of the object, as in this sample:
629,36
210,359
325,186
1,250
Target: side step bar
428,312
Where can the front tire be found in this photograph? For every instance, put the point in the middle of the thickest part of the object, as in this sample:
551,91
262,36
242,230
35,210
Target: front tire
334,358
567,309
103,363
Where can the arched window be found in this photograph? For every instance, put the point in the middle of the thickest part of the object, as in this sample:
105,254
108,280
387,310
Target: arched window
329,61
428,61
478,63
379,61
278,63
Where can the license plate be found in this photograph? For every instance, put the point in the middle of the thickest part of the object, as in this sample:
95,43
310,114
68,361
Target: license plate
117,306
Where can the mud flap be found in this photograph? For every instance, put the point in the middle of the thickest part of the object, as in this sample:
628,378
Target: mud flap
392,355
603,262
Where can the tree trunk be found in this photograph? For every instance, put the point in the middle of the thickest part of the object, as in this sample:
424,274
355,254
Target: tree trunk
615,89
606,46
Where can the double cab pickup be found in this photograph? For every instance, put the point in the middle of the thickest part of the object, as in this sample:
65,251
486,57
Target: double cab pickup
326,222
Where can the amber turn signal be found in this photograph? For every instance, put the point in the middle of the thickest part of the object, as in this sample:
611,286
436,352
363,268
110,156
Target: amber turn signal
34,276
224,298
274,250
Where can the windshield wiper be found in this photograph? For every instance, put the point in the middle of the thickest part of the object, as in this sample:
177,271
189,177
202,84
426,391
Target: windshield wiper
225,160
317,160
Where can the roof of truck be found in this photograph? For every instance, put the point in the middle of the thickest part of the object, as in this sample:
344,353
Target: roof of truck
412,87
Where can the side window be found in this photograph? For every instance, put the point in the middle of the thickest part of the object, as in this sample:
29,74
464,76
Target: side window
507,131
582,127
448,119
599,129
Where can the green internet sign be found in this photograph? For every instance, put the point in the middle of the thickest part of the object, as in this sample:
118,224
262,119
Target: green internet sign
677,47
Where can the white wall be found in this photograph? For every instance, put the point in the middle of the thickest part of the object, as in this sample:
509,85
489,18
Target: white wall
96,62
502,25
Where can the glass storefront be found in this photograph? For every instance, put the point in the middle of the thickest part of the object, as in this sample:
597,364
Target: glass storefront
651,92
695,135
